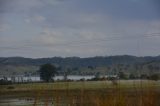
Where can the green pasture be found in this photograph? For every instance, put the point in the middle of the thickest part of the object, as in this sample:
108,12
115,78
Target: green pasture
81,85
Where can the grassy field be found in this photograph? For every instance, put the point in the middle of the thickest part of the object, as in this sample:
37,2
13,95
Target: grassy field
82,84
87,93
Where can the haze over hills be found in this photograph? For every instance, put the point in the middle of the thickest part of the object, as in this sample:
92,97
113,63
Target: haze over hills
77,65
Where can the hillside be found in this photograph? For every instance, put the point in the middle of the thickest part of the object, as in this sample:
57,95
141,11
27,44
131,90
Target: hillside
76,65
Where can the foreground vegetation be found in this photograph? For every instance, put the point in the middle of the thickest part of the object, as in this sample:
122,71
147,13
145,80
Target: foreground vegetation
87,93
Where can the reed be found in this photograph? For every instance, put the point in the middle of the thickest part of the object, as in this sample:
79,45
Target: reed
100,93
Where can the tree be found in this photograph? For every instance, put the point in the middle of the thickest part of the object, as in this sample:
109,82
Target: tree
90,67
154,77
122,75
47,72
144,76
132,76
66,73
97,75
150,67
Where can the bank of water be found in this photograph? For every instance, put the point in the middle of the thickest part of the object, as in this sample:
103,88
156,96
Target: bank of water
37,78
28,102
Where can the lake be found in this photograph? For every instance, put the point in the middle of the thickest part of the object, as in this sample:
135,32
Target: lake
37,78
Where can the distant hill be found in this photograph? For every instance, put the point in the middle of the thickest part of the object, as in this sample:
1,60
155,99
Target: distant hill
20,65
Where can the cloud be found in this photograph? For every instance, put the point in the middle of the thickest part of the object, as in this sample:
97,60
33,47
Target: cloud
25,7
35,19
4,27
39,18
88,42
49,37
43,28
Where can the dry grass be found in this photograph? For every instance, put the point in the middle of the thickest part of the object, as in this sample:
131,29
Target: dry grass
100,93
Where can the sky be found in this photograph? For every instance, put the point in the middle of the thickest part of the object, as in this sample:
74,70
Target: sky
83,28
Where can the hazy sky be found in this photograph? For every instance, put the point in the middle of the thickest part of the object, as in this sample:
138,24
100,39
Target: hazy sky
85,28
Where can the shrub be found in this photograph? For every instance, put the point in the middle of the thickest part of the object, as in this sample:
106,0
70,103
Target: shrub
10,87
